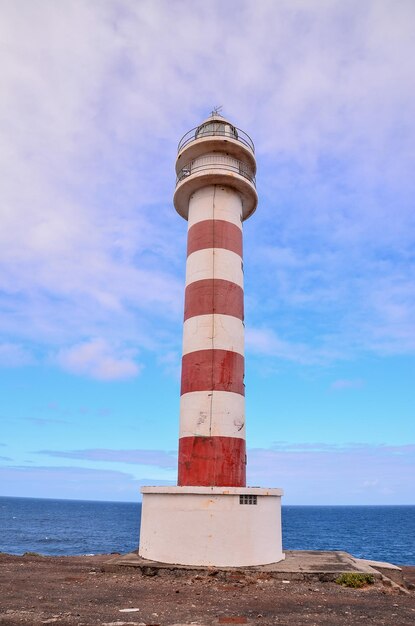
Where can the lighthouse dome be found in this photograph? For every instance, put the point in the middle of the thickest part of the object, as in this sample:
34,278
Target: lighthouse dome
216,153
216,125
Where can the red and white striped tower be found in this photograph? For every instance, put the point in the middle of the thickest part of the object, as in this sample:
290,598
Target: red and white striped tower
204,520
215,192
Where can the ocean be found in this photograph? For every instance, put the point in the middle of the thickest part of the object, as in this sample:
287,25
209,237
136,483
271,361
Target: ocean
73,527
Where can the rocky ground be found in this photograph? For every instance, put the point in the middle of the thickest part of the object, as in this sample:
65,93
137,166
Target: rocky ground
74,590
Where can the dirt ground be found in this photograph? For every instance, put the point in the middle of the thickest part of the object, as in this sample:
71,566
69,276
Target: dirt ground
74,590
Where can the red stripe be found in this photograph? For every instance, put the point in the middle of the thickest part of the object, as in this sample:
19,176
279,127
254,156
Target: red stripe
213,295
213,370
214,234
212,461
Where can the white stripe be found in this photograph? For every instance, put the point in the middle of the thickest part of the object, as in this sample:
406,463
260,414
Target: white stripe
212,414
217,332
215,202
214,263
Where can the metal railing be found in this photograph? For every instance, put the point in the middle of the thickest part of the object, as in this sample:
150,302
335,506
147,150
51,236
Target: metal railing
219,162
223,131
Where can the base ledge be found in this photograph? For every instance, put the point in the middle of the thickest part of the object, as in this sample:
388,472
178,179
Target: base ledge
298,565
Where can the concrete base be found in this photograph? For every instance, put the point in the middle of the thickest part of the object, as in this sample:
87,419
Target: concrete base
211,526
299,565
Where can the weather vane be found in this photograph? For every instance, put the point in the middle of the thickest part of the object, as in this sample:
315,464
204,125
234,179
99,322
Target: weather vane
216,110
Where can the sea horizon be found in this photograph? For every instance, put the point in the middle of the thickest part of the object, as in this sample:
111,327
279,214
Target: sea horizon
69,527
140,501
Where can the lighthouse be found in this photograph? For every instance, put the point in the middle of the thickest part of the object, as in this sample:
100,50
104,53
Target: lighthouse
211,517
215,193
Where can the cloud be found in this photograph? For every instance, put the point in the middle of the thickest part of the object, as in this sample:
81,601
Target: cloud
70,482
344,383
156,458
12,355
319,473
171,363
95,97
266,342
95,358
44,421
309,473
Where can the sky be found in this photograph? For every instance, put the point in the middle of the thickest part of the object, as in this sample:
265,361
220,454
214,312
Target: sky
94,99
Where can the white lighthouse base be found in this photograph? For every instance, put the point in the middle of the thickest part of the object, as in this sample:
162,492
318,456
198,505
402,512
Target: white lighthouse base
217,526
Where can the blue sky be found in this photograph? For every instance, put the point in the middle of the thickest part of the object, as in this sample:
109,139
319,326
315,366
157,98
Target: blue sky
95,96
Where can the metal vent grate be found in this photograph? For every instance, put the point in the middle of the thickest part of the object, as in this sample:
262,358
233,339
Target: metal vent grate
248,500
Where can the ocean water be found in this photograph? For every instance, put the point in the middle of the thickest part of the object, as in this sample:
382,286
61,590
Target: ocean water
72,527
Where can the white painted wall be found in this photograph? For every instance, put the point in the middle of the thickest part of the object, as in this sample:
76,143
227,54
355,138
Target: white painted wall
214,331
212,414
208,526
215,202
214,263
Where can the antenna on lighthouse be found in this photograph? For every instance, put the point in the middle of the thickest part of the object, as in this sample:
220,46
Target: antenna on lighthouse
216,110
